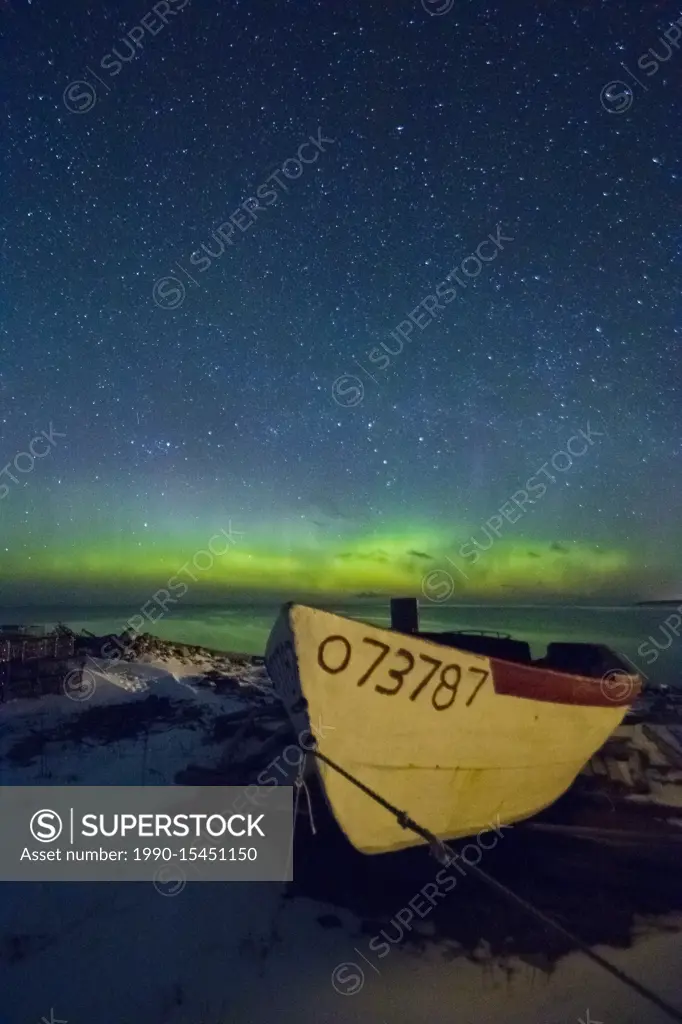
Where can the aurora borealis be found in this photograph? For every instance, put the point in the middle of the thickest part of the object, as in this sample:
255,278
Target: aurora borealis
347,385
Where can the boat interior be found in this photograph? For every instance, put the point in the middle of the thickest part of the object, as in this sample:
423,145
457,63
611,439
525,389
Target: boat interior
580,659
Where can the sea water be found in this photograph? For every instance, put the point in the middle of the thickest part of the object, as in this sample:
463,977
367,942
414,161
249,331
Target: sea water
639,633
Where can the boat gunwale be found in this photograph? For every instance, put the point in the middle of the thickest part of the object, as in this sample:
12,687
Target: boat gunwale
582,691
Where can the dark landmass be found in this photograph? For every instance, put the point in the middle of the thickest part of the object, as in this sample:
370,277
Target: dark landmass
667,601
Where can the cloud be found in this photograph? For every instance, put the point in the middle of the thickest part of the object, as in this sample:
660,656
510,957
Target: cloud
364,556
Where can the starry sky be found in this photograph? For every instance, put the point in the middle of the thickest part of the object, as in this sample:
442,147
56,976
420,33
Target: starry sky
204,357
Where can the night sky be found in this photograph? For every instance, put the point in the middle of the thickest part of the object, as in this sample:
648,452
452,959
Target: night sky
212,380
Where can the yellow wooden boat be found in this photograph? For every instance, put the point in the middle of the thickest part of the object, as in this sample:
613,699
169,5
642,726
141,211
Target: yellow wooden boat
459,740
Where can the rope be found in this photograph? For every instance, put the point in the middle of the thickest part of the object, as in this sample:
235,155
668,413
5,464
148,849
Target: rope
293,831
439,848
403,818
300,785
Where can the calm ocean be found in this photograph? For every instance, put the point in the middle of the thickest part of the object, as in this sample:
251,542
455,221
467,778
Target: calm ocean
245,627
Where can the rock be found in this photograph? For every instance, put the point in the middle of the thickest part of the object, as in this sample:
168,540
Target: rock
224,683
329,921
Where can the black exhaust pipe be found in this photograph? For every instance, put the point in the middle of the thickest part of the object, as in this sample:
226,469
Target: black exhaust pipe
405,614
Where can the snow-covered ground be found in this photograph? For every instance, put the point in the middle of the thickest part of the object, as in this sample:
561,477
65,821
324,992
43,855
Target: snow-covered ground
665,782
149,756
245,953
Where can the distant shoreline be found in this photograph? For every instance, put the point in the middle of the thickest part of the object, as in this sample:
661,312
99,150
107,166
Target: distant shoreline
182,607
668,601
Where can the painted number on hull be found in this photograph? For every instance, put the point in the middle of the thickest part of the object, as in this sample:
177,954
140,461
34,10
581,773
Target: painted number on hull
335,652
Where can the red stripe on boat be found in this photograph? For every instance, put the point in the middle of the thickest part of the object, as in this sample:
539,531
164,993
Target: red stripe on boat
613,690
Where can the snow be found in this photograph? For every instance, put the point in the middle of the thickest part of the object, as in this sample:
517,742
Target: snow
153,759
665,782
241,952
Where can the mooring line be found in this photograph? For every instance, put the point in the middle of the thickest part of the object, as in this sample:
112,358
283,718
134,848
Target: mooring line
405,821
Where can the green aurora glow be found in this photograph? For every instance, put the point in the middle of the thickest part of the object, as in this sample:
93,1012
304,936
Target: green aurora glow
397,562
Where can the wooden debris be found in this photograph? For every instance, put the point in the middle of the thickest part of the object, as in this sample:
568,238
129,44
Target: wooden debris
665,742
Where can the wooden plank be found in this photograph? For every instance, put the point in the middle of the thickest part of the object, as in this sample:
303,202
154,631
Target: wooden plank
638,775
667,749
616,836
612,767
668,736
676,730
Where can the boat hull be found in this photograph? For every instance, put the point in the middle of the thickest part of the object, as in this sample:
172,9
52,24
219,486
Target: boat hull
458,741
